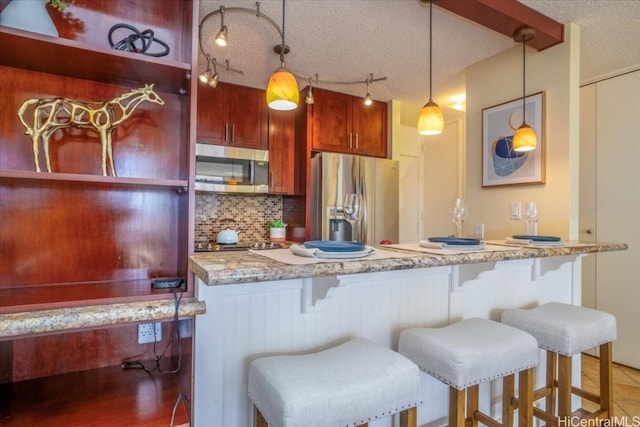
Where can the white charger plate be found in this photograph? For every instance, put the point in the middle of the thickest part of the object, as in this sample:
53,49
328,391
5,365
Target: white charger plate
344,255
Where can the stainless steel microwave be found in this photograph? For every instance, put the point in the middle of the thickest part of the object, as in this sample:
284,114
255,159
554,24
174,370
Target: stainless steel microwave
225,169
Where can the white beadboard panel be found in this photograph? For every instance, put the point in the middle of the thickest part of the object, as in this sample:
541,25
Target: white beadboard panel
248,321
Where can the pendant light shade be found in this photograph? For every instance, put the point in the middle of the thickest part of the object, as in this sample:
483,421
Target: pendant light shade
282,90
430,120
525,138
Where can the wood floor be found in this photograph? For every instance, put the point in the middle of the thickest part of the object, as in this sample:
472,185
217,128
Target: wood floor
626,388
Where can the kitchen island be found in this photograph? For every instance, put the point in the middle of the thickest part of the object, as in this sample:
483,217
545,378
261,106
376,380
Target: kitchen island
257,306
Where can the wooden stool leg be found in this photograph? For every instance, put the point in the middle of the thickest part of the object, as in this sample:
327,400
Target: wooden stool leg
508,384
409,417
473,402
564,386
606,379
525,398
456,407
552,374
260,421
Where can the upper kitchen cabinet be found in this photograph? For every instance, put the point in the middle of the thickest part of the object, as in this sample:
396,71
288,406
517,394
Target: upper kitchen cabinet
342,123
232,115
286,160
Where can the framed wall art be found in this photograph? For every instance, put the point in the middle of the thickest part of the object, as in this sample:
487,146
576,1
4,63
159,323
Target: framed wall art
500,164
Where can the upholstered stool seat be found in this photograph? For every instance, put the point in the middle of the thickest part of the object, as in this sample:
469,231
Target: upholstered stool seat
565,330
472,351
347,385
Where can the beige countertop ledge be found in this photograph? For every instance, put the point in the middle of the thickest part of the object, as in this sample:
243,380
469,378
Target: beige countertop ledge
217,268
94,316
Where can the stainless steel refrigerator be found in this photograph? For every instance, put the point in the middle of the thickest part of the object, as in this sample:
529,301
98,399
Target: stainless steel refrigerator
333,176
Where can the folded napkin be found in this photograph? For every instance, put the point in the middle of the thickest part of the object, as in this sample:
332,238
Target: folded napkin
432,245
532,242
443,245
300,250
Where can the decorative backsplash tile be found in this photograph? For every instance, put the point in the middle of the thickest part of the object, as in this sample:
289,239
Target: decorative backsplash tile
251,212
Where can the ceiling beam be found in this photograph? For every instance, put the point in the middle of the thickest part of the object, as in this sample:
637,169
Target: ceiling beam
505,17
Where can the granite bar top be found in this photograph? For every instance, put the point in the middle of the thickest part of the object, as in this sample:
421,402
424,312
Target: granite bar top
226,268
87,317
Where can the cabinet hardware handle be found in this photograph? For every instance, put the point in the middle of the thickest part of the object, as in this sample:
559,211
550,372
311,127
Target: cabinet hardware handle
233,133
226,131
589,231
357,140
350,143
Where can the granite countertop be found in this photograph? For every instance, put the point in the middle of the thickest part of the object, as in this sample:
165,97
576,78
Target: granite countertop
94,316
225,268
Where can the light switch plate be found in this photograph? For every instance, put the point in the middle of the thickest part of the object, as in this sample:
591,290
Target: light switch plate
514,211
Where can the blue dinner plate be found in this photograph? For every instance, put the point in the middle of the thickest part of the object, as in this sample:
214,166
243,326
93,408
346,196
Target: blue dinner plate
455,241
536,238
335,246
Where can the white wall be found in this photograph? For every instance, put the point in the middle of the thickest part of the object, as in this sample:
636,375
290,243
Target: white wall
499,79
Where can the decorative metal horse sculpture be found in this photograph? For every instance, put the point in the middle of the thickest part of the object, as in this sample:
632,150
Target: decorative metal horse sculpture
52,114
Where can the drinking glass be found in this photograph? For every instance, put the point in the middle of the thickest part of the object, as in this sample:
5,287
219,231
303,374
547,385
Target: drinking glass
352,209
531,213
458,212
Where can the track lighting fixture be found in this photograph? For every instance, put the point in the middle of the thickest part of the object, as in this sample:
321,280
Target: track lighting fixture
430,120
525,138
206,75
367,98
282,90
222,37
213,81
309,99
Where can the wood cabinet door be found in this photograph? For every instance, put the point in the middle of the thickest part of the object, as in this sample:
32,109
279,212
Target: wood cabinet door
370,128
248,117
211,115
332,121
282,152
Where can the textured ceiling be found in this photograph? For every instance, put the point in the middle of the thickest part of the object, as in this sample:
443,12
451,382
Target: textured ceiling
346,40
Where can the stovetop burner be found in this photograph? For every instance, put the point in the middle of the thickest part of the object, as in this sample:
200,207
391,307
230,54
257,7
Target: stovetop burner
218,247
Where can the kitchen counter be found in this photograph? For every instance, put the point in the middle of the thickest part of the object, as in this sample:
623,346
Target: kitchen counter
65,319
225,268
257,306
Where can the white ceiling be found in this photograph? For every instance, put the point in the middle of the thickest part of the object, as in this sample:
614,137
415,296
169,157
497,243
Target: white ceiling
346,40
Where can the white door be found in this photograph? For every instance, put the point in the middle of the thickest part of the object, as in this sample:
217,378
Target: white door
587,225
618,208
443,179
407,150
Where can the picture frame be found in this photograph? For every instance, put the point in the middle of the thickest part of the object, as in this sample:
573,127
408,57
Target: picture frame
500,164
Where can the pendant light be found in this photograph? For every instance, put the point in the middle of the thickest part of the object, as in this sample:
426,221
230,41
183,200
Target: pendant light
430,120
525,138
282,90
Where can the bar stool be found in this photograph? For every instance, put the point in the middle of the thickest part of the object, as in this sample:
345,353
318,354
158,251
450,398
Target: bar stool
467,353
347,385
565,330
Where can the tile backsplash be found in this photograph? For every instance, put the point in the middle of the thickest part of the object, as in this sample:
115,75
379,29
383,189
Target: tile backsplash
251,212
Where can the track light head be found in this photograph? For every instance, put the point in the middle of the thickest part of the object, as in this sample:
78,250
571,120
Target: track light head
222,38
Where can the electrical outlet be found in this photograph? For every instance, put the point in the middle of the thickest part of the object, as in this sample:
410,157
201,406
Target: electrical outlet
149,332
514,211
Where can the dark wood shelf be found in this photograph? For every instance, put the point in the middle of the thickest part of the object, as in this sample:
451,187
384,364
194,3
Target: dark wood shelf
32,298
69,58
69,177
105,396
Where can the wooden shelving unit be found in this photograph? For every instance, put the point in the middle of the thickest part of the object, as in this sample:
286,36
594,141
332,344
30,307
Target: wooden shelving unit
75,238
